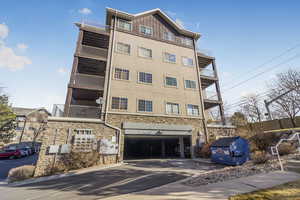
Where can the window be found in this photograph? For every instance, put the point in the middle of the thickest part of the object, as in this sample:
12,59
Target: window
172,108
192,110
146,30
146,53
119,103
121,74
190,84
145,105
171,81
187,61
187,41
168,36
125,25
170,57
123,48
145,77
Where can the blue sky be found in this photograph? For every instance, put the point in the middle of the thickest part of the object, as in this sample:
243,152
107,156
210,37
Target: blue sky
37,41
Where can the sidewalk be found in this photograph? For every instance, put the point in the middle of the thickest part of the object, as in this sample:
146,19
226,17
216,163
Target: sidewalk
220,191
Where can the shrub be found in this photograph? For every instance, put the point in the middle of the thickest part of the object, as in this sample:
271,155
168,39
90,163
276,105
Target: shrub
21,173
285,149
260,157
263,141
205,151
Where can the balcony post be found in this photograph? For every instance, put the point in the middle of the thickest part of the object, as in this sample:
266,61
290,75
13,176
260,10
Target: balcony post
219,93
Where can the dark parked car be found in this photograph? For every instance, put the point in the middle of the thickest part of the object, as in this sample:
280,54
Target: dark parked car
10,153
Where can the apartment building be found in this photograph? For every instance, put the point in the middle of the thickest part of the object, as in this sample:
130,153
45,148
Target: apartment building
142,74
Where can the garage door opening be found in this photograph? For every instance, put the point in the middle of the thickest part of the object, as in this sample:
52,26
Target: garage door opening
143,147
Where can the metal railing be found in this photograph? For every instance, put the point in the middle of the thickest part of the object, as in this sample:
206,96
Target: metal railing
95,52
89,81
274,149
94,24
80,111
208,72
210,95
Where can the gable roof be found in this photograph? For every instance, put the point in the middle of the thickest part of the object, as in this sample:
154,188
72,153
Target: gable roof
113,12
26,111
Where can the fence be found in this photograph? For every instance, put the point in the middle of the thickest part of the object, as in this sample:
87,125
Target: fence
276,124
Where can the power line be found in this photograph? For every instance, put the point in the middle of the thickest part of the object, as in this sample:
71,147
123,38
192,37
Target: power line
270,60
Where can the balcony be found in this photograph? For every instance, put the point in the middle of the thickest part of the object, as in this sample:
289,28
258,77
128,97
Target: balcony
89,82
211,99
208,77
92,52
94,27
80,111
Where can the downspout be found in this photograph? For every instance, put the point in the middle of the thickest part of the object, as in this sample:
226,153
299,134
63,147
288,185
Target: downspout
200,92
108,87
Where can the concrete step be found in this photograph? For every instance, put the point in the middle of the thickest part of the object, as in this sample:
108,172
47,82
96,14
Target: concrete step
293,163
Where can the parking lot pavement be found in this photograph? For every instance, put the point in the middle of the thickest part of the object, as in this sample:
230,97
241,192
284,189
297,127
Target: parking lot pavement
94,185
6,164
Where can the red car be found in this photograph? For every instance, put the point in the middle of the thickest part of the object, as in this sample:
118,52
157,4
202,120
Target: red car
11,154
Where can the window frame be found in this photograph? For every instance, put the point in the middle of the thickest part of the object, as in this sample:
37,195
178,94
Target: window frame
172,104
185,39
193,109
172,36
123,20
122,70
145,105
119,103
144,26
190,88
187,65
167,60
142,56
172,86
146,73
121,52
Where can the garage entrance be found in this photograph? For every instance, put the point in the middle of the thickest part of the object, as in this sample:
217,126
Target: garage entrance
143,146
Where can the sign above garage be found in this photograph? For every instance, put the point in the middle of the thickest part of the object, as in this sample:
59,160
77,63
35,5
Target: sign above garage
156,129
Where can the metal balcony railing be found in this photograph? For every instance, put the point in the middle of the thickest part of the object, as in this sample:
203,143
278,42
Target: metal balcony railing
89,81
80,111
95,24
210,95
93,52
208,73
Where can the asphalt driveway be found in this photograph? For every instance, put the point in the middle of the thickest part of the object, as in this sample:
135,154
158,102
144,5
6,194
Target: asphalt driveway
128,178
6,164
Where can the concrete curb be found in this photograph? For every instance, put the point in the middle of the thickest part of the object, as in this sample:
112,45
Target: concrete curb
53,177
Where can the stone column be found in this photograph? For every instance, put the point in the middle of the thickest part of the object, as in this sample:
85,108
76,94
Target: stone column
181,146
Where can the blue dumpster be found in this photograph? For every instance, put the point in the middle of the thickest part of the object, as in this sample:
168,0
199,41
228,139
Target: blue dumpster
230,151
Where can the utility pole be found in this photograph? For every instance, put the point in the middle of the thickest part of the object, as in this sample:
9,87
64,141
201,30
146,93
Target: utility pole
267,103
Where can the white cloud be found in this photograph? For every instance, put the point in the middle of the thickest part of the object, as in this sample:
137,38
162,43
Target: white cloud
62,70
179,22
3,31
11,61
85,11
22,46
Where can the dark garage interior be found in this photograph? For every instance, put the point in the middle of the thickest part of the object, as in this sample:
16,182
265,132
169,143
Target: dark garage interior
143,147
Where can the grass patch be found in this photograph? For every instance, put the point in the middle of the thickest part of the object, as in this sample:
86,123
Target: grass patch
287,191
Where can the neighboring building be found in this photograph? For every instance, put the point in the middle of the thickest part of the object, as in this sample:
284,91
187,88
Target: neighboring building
143,74
28,120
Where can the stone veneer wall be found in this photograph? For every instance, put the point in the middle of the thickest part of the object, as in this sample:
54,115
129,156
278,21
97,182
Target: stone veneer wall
215,131
118,119
47,161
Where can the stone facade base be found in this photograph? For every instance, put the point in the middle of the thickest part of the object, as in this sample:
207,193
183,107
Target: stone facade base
217,131
61,132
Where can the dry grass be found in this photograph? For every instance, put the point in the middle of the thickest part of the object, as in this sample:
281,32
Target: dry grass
287,191
21,173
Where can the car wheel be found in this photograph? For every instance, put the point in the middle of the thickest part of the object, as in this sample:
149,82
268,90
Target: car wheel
11,157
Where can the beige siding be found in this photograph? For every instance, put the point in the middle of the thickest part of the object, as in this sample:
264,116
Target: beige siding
157,91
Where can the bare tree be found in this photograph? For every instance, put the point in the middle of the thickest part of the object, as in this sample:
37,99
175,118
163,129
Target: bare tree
252,108
287,105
